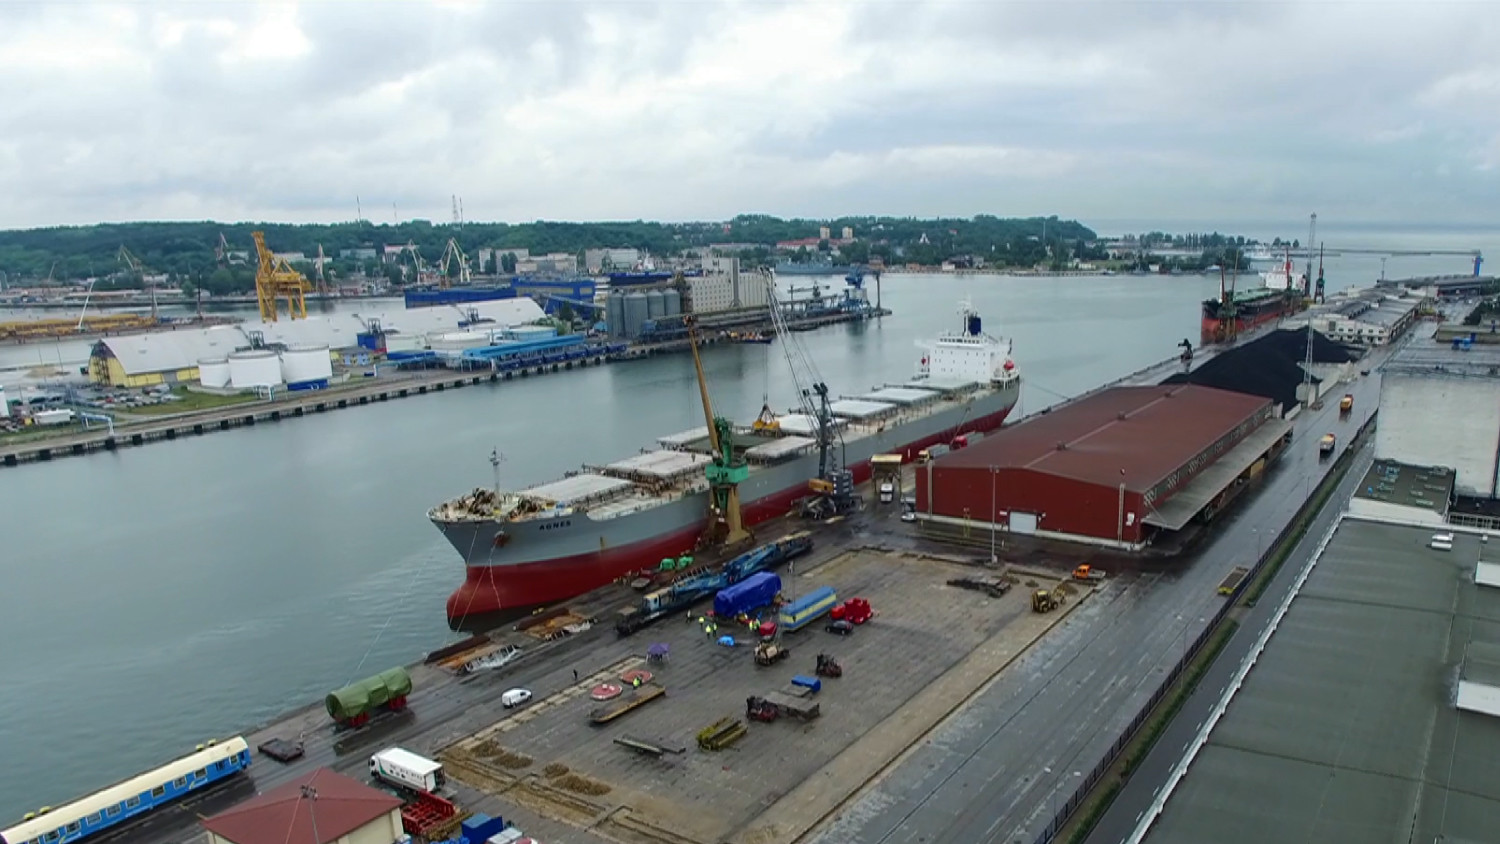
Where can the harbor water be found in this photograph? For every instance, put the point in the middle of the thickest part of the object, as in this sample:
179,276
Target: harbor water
159,596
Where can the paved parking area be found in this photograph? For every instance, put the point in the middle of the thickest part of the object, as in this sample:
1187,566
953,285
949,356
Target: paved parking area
898,682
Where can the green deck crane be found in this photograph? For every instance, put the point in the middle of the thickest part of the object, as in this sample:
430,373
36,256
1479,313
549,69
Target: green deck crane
725,472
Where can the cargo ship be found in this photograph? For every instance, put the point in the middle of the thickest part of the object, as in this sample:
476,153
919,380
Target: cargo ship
1235,312
794,268
554,541
431,297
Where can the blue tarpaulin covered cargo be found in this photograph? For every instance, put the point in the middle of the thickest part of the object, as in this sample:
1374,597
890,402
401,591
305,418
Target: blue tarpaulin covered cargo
756,591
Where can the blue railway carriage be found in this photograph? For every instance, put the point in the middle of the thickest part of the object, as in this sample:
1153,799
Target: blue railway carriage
139,794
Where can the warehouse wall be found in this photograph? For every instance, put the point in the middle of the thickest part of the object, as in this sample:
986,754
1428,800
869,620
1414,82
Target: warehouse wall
1442,420
1065,506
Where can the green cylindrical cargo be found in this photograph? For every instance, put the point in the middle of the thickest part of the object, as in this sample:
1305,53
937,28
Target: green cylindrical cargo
361,698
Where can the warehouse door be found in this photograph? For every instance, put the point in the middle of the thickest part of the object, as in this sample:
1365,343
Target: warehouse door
1022,522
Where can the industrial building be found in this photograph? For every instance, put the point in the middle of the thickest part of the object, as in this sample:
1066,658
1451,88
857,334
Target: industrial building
1440,406
1113,469
1445,286
323,807
275,353
637,308
1367,318
1370,715
1396,491
603,260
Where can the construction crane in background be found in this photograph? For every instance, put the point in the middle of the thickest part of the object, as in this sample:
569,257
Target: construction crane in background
833,489
423,274
452,254
727,470
1307,279
134,268
318,271
274,279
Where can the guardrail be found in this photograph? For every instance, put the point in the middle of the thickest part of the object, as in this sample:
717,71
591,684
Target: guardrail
1087,783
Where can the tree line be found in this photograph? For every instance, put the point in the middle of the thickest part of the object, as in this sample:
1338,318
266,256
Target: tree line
188,252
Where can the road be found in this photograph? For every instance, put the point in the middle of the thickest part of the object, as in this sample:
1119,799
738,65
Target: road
1151,775
999,769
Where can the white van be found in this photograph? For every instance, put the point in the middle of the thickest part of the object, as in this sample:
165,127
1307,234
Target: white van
515,697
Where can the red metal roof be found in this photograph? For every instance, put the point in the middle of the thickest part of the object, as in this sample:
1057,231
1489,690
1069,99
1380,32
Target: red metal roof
1138,435
284,815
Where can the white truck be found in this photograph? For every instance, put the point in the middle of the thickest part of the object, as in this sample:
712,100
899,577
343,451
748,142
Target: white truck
407,770
887,492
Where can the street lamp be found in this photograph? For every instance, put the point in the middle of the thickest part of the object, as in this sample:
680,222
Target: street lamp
994,515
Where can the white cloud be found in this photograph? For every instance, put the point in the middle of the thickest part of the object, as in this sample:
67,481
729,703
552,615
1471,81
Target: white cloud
681,110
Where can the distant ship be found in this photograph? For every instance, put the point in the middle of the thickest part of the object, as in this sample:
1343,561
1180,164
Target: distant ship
560,539
431,297
816,268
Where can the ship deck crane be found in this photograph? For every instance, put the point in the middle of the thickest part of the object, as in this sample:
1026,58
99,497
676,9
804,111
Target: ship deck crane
726,472
833,488
275,279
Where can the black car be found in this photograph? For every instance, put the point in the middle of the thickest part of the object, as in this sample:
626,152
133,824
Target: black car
841,627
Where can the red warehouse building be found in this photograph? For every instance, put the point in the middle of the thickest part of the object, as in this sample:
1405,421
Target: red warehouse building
1109,469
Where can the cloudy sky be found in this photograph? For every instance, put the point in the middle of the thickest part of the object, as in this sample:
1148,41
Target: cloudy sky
687,109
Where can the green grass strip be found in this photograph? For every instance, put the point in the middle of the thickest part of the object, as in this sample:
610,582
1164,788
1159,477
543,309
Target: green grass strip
1099,802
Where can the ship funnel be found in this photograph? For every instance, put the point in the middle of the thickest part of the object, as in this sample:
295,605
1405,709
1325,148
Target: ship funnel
974,325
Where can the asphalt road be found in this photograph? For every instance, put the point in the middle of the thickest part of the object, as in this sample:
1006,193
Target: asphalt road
1151,775
999,769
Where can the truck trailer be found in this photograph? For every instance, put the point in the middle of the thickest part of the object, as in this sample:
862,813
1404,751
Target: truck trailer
807,609
406,769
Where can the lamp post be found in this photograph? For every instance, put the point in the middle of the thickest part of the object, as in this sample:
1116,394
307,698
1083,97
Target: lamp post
993,517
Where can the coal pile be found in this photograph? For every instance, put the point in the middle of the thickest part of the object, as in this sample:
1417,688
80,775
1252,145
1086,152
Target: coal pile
1270,367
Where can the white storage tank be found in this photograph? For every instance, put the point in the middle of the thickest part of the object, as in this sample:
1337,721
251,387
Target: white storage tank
213,372
306,366
656,305
254,368
673,301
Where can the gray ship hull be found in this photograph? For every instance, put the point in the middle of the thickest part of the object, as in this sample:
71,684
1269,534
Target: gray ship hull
542,560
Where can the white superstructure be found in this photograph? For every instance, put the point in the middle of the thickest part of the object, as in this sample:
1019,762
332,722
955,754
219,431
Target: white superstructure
968,356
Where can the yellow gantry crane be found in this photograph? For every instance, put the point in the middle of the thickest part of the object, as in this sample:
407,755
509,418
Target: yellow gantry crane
274,279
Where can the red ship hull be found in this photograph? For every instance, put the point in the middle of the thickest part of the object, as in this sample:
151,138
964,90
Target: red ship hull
1215,330
491,589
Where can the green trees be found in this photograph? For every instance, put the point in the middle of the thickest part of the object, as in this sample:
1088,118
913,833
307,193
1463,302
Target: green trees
189,250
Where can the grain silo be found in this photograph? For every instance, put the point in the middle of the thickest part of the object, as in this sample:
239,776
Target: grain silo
636,312
614,314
